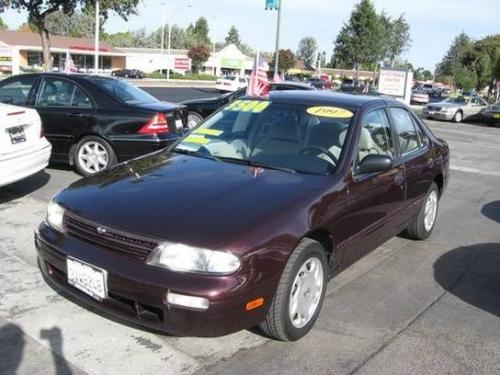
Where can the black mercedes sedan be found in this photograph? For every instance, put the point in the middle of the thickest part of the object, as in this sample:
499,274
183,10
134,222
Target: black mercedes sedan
128,73
94,122
202,108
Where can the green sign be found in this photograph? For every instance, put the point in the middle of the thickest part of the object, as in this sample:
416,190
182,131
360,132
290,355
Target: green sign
229,63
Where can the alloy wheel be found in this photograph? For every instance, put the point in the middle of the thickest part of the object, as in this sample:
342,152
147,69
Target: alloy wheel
93,157
430,210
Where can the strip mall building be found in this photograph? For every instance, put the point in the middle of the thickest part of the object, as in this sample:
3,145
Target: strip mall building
23,52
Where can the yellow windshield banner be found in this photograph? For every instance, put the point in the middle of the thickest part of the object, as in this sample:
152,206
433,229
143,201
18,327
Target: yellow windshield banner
197,139
332,112
213,132
250,106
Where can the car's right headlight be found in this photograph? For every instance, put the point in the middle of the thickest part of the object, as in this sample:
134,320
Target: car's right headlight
55,214
185,258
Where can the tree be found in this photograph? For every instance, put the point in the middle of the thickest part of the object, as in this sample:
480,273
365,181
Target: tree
307,51
3,25
198,33
396,37
199,54
361,39
233,37
453,60
26,28
39,10
286,60
177,38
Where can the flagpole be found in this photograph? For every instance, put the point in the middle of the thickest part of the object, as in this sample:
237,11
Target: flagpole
96,36
276,59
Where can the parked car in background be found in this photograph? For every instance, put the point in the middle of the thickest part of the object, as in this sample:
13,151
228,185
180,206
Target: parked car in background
24,150
350,85
128,73
245,220
455,109
231,83
491,114
198,109
320,83
419,97
93,122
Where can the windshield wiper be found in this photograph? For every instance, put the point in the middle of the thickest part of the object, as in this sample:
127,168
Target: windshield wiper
196,154
267,166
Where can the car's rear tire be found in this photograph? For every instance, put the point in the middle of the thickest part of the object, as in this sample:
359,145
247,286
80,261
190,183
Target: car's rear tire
459,116
300,293
422,226
194,118
93,154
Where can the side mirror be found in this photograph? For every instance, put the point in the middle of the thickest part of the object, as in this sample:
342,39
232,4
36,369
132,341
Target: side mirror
375,163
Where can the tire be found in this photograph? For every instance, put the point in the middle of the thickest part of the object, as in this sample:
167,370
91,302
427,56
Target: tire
459,116
95,149
278,323
193,119
419,229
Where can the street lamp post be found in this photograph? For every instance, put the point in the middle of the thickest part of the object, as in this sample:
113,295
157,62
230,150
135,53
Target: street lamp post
276,60
162,28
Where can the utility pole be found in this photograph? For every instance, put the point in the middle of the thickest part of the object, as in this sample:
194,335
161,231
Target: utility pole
162,28
96,36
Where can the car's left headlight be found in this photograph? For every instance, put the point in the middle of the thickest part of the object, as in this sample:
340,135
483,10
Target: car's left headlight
55,214
185,258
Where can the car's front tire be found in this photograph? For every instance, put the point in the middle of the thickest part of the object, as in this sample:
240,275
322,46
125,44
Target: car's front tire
459,116
300,293
93,154
422,226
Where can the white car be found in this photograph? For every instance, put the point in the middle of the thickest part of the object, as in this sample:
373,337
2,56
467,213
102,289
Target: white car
24,150
231,83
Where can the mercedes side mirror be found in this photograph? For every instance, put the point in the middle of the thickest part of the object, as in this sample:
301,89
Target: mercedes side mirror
375,163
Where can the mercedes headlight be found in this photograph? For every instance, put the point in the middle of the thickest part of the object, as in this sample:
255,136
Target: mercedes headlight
55,214
185,258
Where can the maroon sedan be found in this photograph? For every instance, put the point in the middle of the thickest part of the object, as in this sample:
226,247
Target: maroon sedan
244,220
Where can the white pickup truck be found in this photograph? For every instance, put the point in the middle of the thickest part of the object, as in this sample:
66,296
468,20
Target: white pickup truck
24,150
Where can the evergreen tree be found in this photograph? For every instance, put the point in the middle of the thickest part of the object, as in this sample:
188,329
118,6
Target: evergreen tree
307,51
233,37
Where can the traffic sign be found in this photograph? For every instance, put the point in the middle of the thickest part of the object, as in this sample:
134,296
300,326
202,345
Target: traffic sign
272,4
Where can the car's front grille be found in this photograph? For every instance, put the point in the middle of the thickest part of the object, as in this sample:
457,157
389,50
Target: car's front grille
128,245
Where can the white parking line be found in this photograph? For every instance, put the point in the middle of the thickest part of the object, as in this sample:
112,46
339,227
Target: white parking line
460,168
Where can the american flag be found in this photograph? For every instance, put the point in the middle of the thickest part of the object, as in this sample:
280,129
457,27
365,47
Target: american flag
258,84
69,65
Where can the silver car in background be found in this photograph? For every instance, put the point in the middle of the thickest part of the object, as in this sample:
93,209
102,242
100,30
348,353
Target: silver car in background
455,109
491,114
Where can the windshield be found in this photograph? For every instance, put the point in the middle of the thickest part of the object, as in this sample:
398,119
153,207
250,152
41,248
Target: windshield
124,91
458,99
294,138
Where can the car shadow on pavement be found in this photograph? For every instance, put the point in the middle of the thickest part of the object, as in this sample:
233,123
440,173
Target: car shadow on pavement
11,348
492,211
472,273
24,187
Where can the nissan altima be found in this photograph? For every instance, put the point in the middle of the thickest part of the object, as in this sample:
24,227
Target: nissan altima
244,221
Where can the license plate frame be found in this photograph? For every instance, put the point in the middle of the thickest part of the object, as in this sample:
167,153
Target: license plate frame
17,134
87,278
179,124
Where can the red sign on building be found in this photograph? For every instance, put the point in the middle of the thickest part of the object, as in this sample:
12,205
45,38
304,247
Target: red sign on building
182,63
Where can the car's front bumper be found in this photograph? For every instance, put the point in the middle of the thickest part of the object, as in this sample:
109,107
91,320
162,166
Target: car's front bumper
16,167
137,292
438,115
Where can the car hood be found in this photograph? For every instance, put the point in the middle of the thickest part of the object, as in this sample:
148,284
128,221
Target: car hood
190,200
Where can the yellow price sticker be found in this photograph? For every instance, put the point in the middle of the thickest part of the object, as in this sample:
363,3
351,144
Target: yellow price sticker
213,132
249,106
197,139
332,112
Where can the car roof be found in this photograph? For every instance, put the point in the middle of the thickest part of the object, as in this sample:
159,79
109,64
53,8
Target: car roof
66,75
325,98
299,85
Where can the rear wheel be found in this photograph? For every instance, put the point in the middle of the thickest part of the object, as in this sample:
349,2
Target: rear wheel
459,116
300,293
423,225
93,154
194,118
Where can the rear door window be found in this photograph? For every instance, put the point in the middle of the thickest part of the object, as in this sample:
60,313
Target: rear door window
17,91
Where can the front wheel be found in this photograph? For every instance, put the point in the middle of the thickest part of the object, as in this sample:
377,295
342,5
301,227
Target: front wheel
93,154
300,293
458,117
422,226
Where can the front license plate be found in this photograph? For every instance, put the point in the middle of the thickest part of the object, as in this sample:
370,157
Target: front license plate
89,279
178,124
17,135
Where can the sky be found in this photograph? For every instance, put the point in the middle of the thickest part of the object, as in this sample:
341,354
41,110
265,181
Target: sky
433,23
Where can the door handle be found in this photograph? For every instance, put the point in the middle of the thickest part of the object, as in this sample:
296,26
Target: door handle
79,115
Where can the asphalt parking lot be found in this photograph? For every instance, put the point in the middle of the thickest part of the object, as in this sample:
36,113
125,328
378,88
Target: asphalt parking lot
429,307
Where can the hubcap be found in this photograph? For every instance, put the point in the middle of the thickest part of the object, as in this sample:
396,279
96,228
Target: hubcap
430,210
306,292
93,157
193,120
